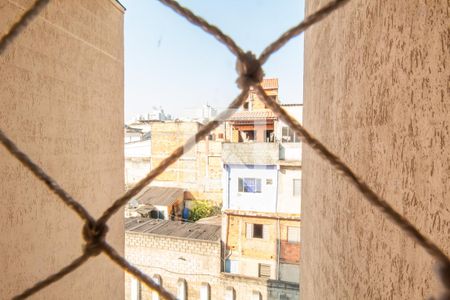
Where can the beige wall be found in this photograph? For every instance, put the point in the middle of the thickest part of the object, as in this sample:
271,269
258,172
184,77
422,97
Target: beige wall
377,94
61,101
250,252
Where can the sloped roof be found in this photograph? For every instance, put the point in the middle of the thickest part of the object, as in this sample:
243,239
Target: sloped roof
252,115
162,196
205,232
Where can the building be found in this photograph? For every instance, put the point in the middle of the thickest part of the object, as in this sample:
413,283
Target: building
185,258
199,114
158,203
156,114
377,94
198,171
254,122
61,99
261,204
137,152
132,134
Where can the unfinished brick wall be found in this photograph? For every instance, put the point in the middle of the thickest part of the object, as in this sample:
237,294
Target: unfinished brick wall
61,101
254,248
376,93
198,170
289,251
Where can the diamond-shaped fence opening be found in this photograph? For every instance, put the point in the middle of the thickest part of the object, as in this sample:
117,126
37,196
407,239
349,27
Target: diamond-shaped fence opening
249,68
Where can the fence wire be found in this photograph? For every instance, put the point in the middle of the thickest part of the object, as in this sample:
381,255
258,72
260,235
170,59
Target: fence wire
250,73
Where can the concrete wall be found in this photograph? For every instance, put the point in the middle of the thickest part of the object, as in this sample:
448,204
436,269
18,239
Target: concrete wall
287,202
289,272
61,99
377,94
137,161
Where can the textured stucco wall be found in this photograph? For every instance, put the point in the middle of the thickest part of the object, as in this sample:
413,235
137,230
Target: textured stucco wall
61,101
376,93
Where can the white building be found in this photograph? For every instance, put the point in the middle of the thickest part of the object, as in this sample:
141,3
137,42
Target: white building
261,202
137,160
265,177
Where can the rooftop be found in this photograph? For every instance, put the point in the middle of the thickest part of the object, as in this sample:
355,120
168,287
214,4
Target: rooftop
270,83
292,104
162,196
195,231
252,115
214,220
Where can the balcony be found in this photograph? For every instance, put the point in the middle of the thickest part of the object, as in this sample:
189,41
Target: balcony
251,153
291,152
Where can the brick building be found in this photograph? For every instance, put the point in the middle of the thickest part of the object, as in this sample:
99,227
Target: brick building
186,259
261,203
254,122
198,171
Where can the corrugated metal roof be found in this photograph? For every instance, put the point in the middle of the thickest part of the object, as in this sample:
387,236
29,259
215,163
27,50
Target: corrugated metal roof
162,196
205,232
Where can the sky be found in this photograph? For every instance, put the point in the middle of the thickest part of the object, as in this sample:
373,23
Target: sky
172,64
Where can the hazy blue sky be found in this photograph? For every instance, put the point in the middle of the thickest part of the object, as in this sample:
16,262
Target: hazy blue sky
170,63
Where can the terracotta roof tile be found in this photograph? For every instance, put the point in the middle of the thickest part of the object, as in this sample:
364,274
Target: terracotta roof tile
270,83
252,115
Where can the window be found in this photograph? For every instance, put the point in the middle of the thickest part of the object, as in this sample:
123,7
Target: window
158,280
230,293
293,234
220,135
135,289
269,181
264,271
288,135
247,135
256,295
231,266
296,187
257,231
205,291
249,185
269,136
182,289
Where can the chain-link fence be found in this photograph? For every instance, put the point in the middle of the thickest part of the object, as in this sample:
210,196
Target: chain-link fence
250,72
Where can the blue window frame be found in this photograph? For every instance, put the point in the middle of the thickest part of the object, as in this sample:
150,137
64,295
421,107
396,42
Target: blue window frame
249,185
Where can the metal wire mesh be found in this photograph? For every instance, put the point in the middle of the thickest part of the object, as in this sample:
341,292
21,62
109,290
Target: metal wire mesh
249,68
